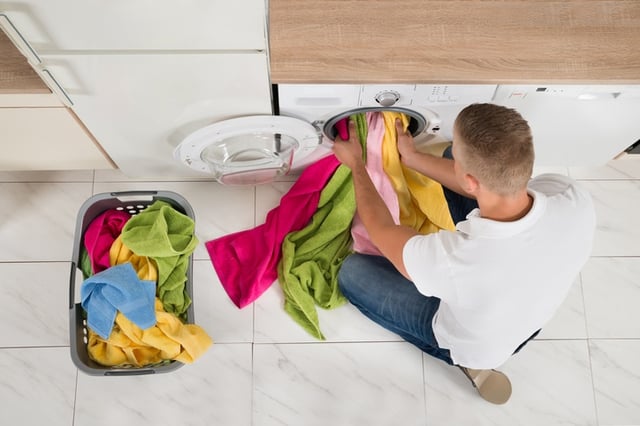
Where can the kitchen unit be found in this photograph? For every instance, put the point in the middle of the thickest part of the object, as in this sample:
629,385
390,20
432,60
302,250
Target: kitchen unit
38,131
141,76
142,79
572,68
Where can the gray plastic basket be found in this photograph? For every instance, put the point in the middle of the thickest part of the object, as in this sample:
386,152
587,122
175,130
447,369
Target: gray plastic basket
133,202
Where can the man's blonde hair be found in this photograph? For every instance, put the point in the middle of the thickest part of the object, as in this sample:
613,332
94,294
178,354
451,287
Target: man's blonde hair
497,147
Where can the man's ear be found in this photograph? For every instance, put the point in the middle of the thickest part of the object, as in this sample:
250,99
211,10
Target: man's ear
471,184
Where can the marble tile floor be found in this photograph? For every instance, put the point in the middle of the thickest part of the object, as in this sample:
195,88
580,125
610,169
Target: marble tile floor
264,370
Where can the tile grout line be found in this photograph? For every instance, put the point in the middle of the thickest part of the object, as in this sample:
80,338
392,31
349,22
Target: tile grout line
253,383
255,206
32,261
22,347
588,341
593,385
424,387
75,400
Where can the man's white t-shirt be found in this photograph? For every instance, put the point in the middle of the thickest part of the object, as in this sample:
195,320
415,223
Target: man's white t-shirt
499,282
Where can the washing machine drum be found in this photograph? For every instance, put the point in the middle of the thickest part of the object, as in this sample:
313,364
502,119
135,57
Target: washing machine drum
420,120
248,150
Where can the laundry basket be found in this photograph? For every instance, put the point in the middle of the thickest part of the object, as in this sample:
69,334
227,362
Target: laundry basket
132,202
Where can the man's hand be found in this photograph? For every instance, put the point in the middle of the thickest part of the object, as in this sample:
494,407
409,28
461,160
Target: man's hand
406,146
349,152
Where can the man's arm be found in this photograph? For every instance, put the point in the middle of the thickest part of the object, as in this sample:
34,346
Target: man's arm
388,237
437,168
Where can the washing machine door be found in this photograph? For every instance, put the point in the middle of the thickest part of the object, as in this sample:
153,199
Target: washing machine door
248,150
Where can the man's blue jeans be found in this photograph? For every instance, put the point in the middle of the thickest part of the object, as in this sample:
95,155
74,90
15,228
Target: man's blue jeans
374,286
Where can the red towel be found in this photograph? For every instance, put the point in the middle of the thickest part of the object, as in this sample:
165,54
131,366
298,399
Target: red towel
246,261
99,237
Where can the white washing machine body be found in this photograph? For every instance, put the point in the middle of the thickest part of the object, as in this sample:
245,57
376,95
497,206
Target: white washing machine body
259,149
431,108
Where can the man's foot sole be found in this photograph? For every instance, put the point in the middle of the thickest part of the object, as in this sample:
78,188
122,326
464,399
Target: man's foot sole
492,385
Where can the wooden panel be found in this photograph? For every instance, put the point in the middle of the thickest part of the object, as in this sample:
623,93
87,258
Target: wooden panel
47,139
418,41
16,75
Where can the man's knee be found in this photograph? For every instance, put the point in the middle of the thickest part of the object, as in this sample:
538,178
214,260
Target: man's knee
350,277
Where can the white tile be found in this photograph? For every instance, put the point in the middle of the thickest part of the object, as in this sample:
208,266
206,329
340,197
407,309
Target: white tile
338,384
617,204
342,324
214,390
219,209
215,312
116,175
268,197
37,220
37,386
569,321
616,379
47,176
33,297
612,296
614,169
551,383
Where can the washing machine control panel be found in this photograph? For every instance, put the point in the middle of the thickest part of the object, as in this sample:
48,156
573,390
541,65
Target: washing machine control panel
424,95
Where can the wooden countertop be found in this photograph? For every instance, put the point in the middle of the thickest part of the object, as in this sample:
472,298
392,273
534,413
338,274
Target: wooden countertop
16,75
421,41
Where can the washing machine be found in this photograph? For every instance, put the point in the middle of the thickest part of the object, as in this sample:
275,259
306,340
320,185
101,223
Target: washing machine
259,149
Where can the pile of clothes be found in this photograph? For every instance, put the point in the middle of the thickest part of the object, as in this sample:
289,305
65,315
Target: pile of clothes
134,293
305,239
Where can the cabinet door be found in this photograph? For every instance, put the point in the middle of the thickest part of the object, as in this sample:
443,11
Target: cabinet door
46,139
139,107
139,25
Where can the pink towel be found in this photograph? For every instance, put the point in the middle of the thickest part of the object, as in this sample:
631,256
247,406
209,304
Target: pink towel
246,261
361,241
100,235
342,126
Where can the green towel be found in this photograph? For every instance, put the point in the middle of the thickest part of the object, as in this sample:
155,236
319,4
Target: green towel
85,263
362,129
312,256
168,237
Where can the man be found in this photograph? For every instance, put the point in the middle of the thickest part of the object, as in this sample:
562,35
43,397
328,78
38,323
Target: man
472,297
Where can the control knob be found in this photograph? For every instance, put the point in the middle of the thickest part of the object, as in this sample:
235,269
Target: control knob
387,98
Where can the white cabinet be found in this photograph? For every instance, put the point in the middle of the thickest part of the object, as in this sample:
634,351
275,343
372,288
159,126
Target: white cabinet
141,75
52,25
37,131
140,106
576,125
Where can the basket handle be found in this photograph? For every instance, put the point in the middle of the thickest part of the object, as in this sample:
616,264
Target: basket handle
136,372
72,285
134,195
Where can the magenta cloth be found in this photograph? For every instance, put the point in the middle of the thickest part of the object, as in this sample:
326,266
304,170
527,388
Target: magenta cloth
361,241
246,262
342,126
99,237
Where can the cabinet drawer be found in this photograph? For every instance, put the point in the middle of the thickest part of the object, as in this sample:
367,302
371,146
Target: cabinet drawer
139,25
47,139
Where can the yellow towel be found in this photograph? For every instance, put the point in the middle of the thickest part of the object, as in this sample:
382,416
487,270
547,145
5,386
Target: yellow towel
422,204
169,339
119,253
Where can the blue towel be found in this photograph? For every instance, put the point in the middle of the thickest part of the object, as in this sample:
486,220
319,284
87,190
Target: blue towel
118,288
